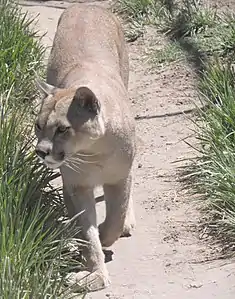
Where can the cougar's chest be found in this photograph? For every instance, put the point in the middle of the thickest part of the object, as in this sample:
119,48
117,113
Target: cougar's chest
87,174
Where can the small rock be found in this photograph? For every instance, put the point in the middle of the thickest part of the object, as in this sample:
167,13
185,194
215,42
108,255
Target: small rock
195,285
168,264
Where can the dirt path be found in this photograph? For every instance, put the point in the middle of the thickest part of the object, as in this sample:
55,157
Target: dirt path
164,258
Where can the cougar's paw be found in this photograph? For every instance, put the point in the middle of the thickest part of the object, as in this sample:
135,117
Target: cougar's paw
127,230
88,281
129,226
107,235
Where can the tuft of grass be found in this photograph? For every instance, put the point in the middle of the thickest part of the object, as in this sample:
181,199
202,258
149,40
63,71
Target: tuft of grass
33,242
137,10
170,53
20,52
187,19
228,37
176,18
212,175
34,237
138,14
134,30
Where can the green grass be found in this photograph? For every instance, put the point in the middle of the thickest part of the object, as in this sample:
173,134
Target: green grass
138,9
176,18
187,19
32,240
34,252
169,53
135,29
205,38
212,174
180,21
138,14
21,52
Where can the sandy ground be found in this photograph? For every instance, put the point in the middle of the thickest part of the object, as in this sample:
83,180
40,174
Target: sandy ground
164,258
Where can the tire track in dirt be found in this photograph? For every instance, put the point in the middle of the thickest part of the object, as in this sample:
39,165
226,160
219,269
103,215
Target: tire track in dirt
159,261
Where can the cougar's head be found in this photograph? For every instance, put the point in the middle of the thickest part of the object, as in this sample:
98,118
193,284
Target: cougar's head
69,122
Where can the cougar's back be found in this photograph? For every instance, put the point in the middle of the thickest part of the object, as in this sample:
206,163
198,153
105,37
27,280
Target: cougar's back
88,37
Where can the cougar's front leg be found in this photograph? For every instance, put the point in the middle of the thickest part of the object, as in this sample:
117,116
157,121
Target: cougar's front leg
81,200
119,213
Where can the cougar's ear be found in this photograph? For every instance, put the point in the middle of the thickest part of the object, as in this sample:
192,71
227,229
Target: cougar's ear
87,100
45,88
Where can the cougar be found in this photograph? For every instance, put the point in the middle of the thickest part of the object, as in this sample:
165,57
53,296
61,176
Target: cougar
85,128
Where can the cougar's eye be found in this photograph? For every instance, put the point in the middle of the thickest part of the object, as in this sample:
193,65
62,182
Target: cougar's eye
62,129
37,127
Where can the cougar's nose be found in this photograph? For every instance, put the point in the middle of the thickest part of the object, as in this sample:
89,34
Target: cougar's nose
43,149
41,153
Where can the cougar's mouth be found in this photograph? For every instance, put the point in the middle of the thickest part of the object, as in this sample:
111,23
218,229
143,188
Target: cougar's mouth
51,163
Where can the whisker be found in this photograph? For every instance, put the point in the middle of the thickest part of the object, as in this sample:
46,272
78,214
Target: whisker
76,159
83,154
86,155
75,164
73,167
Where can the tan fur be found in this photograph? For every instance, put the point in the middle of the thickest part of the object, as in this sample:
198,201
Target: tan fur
85,127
